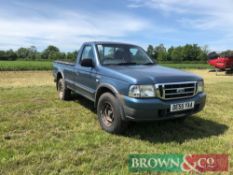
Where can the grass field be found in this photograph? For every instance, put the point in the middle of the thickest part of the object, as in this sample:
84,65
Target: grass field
42,135
47,65
25,65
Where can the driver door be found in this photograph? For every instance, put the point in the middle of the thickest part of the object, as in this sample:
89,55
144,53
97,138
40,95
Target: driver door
86,78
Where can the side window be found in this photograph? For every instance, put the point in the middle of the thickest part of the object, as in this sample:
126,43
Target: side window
87,53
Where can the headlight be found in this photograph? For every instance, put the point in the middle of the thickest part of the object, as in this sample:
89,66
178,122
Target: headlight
200,86
144,91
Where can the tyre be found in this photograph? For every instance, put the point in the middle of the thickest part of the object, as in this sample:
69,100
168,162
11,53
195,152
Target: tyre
109,115
63,92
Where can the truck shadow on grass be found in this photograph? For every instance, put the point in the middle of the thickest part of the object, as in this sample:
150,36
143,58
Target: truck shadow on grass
166,131
169,131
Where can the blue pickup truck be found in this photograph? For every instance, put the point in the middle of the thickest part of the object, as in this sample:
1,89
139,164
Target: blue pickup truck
125,85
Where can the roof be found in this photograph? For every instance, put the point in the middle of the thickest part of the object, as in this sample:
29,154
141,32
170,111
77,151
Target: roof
107,42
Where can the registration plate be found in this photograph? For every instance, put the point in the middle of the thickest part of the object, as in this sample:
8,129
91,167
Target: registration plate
182,106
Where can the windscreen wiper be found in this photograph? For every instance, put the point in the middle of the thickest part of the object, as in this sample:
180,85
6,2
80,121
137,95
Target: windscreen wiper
128,63
149,63
109,64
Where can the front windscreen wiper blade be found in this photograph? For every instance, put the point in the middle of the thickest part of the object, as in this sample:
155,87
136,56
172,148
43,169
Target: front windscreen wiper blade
149,63
129,63
109,64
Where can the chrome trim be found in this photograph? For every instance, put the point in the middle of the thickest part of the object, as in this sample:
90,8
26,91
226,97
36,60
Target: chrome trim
181,82
178,88
180,93
161,91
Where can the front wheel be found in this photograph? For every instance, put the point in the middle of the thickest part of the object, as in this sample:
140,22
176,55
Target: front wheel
109,115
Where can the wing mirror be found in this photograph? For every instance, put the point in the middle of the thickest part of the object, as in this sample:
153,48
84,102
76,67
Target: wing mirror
87,62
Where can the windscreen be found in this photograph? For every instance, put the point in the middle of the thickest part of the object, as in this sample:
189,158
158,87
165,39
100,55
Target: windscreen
122,54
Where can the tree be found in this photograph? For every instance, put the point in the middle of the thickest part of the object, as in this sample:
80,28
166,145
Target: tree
11,55
38,56
160,52
33,49
61,56
188,53
22,53
176,54
72,55
169,53
76,53
227,53
2,55
27,53
150,51
51,53
32,53
197,52
203,56
8,55
54,55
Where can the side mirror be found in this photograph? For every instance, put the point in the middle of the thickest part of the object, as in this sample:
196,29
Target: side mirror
87,62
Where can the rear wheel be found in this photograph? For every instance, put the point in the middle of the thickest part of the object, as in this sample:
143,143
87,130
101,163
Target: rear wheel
63,92
109,115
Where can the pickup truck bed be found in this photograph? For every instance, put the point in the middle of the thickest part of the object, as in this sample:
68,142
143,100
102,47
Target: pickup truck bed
64,62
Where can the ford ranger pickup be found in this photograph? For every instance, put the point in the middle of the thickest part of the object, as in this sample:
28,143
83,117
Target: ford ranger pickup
125,85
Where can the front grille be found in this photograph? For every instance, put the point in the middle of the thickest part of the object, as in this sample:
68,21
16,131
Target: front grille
177,90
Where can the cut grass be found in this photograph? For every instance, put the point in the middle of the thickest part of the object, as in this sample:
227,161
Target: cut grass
25,78
43,135
47,65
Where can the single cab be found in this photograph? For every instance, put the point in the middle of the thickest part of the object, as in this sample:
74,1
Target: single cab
125,85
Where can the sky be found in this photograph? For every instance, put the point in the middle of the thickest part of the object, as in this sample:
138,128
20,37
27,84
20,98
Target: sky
68,23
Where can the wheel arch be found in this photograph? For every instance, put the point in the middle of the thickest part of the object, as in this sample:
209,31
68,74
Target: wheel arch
111,89
103,89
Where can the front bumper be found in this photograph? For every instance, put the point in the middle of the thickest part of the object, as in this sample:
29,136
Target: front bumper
158,109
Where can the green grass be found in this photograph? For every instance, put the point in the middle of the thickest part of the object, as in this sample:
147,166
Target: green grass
43,135
25,65
188,65
47,65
